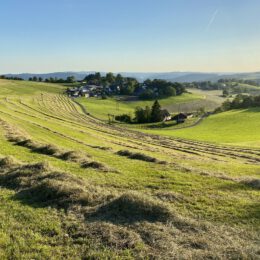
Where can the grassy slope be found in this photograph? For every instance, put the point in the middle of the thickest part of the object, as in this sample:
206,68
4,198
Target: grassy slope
9,88
100,108
202,187
232,127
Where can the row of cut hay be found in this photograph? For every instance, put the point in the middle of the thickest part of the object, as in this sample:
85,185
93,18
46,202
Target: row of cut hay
22,139
54,151
139,156
128,221
41,183
44,184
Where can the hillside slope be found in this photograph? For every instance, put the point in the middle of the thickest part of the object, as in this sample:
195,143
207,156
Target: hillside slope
239,127
74,187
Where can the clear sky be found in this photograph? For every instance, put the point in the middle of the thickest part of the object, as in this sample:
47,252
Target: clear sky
129,35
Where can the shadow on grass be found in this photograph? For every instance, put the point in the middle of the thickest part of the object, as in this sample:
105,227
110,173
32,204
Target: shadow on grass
247,185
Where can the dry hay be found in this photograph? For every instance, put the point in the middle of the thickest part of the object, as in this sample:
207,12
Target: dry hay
131,220
139,156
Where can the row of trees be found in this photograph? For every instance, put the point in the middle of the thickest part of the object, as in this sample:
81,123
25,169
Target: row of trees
239,102
231,84
10,78
241,81
70,79
145,115
205,85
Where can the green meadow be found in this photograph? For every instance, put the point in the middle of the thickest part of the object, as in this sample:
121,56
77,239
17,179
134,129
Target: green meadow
240,127
74,187
100,108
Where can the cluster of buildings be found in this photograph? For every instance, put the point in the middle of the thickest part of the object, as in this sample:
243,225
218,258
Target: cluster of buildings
98,91
85,91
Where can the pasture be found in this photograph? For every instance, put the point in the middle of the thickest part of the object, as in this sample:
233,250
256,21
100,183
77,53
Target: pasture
101,107
73,187
237,127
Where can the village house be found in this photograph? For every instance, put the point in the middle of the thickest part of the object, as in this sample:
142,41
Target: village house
166,115
73,92
180,118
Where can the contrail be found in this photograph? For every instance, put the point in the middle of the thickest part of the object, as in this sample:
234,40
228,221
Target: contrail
212,19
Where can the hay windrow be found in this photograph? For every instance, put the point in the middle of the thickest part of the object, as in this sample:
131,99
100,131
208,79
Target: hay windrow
131,207
41,183
95,165
139,156
9,161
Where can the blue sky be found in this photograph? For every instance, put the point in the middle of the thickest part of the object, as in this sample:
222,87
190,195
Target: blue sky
129,35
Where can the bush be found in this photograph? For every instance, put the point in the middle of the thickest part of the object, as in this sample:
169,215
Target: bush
124,118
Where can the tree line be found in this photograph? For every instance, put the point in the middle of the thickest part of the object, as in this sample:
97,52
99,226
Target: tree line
148,90
240,102
145,115
70,79
10,78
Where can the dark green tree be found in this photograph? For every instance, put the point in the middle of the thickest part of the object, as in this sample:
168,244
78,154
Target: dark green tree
71,79
156,115
110,77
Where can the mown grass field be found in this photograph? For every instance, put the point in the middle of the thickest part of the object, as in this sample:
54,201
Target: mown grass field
74,187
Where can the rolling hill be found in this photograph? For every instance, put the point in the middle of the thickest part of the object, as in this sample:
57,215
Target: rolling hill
170,76
75,187
235,127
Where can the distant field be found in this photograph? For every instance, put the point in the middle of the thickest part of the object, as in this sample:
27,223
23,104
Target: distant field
101,107
241,127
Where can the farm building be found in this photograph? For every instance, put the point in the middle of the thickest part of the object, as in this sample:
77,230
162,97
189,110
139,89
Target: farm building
180,118
166,115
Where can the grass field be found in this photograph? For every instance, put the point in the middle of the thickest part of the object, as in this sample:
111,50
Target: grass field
101,107
74,187
238,127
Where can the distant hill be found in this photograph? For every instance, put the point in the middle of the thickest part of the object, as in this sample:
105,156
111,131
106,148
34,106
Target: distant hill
60,75
170,76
